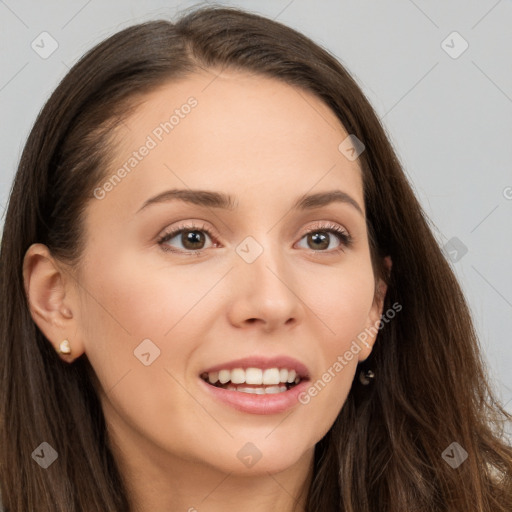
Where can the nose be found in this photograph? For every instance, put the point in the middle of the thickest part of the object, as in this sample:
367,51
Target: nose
265,293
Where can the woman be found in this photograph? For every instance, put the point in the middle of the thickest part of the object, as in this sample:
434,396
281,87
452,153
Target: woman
315,354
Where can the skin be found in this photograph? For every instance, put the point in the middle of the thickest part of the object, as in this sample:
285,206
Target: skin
266,143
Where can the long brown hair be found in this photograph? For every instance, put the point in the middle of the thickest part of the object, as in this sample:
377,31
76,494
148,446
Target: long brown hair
384,451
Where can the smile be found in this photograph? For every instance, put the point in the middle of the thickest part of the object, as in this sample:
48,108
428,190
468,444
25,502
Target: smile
253,380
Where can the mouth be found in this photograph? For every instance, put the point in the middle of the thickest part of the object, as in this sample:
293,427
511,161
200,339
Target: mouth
257,384
253,380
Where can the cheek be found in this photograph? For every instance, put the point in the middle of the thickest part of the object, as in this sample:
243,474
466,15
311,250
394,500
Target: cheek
132,301
343,304
343,300
127,305
138,300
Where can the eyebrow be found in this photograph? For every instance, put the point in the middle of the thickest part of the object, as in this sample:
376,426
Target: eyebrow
224,201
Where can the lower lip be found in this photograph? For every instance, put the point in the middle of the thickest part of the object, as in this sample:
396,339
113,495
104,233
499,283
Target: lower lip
272,403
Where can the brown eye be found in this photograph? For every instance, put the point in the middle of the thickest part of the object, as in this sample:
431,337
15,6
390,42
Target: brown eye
319,240
191,238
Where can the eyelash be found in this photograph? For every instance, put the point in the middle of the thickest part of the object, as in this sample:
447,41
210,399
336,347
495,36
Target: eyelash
343,236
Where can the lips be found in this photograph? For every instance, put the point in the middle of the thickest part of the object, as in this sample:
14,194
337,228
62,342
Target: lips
278,401
257,375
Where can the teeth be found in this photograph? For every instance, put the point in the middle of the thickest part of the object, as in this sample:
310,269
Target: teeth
271,376
255,391
258,391
254,376
272,389
224,376
237,376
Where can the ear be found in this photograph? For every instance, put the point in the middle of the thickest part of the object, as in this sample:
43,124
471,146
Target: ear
52,300
366,340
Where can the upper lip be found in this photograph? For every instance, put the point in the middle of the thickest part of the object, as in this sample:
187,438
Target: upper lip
262,362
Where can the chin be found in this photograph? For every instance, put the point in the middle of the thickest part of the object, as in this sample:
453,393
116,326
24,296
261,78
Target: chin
260,456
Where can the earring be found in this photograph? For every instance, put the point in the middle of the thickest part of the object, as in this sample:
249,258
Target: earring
366,377
64,347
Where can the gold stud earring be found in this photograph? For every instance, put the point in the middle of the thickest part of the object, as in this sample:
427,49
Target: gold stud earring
64,347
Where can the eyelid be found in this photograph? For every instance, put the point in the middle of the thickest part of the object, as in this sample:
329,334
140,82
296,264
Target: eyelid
345,238
326,225
192,225
343,235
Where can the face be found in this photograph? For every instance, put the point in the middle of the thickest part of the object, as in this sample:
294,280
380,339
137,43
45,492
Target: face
264,278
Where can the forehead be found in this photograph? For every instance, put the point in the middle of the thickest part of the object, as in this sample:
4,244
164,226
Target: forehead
232,131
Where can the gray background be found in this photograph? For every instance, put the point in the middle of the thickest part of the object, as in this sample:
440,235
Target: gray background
448,116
